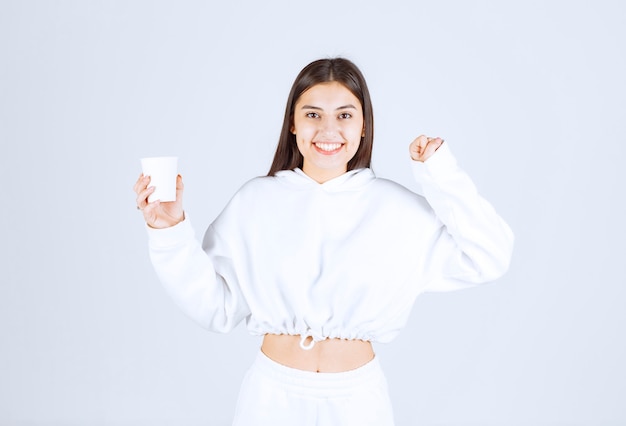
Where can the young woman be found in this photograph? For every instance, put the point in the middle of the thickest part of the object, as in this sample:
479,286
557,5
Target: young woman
322,258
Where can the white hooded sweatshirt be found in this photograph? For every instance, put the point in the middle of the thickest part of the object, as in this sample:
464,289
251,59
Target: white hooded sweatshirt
343,259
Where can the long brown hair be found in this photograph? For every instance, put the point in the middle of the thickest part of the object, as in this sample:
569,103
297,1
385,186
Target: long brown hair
343,71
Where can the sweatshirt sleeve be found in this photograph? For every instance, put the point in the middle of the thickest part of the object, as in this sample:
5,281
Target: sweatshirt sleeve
472,244
205,287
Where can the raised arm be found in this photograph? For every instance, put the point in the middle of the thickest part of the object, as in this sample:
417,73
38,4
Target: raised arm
474,244
205,288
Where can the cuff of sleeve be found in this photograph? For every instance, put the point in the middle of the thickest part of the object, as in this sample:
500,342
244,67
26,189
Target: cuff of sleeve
171,236
439,165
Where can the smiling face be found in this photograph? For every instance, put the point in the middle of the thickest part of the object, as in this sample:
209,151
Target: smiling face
328,125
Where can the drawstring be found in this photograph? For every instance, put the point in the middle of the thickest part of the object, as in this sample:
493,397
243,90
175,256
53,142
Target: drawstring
311,343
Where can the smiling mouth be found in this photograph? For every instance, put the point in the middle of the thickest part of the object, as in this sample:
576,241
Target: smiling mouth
328,147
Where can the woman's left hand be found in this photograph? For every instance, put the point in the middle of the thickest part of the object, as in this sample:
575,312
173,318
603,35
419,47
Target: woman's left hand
423,147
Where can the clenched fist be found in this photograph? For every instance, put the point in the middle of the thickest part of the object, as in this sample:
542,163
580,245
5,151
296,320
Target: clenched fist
423,147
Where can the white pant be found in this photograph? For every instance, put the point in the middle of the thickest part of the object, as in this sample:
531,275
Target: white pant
272,394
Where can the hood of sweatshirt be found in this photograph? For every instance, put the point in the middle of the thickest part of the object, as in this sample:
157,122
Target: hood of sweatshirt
349,181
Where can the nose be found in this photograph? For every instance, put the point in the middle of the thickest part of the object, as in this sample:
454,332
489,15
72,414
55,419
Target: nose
329,128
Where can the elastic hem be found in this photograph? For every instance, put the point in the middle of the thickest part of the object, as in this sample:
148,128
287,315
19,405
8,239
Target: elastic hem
318,337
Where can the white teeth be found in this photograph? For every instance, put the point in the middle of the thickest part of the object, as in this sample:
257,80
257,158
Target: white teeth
328,146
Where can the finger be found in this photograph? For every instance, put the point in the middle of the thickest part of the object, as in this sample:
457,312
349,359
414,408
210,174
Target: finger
417,147
140,179
141,183
414,146
433,145
137,183
180,186
142,197
421,141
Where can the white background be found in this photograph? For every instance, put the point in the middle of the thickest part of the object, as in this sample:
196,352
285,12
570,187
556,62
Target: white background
531,97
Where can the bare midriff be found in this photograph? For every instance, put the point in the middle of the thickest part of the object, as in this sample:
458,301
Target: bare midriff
326,356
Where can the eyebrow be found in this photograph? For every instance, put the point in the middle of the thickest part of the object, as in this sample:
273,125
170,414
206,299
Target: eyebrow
321,109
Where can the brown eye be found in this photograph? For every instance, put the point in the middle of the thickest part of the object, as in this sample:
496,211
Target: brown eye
345,115
312,115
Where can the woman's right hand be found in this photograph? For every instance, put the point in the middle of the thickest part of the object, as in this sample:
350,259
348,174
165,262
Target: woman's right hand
159,214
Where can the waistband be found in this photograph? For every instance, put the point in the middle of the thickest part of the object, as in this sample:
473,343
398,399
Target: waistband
310,382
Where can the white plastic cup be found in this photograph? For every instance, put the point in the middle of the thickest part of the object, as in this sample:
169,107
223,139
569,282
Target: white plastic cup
163,172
